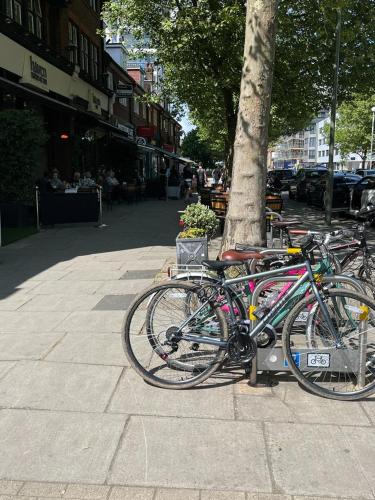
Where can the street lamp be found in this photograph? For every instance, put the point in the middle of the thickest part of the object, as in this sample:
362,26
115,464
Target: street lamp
372,134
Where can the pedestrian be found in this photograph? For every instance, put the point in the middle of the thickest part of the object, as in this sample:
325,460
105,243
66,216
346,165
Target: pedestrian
216,174
188,181
201,177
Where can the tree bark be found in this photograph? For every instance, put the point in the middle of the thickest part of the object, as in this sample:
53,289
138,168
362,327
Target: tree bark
245,221
231,123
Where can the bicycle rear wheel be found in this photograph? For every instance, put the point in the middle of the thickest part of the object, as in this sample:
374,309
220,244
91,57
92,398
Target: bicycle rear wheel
161,354
340,365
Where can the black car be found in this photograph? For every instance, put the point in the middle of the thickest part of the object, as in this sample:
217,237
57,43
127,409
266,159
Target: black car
285,175
300,185
365,173
342,186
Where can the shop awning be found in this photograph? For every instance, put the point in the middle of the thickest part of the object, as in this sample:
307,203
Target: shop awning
23,91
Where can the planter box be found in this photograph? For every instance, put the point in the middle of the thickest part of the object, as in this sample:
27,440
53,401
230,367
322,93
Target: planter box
17,215
174,192
191,251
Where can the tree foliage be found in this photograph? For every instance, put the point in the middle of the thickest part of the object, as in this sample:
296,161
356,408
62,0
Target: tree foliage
197,149
21,135
354,125
200,45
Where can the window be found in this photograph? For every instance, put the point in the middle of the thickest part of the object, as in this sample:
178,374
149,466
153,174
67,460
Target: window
94,62
311,154
73,43
140,109
110,80
123,100
84,53
136,106
34,17
312,142
93,4
13,9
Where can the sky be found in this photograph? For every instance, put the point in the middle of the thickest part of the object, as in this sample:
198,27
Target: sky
186,123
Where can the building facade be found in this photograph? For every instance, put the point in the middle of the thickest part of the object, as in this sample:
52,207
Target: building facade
310,147
52,60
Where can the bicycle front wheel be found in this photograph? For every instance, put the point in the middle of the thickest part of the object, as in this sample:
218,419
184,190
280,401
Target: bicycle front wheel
155,335
332,352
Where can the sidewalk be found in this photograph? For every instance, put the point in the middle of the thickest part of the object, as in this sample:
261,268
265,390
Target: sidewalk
76,423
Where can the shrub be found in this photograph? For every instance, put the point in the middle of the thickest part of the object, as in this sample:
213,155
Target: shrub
199,216
192,233
21,136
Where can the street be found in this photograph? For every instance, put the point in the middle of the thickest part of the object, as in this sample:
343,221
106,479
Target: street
76,422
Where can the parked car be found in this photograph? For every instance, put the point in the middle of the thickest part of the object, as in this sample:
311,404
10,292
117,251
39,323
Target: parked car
363,172
286,176
300,184
342,185
361,194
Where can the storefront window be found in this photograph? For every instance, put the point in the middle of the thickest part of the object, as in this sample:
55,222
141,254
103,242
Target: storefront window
34,17
73,43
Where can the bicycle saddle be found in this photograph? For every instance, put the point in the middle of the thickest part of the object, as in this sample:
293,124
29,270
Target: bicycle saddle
233,255
219,265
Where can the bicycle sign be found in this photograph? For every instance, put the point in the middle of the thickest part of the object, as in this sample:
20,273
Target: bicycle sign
318,360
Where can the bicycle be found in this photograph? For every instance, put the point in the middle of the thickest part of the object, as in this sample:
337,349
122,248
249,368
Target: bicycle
187,346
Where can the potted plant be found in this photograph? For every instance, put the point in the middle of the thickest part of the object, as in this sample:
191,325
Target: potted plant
200,224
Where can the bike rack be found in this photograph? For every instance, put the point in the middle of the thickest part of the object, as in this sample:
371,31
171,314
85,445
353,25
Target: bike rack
273,360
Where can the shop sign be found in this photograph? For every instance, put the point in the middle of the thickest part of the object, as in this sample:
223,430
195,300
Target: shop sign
146,131
168,147
141,141
38,72
126,129
124,90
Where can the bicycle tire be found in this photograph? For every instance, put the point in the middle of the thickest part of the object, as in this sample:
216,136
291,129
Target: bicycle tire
299,364
204,370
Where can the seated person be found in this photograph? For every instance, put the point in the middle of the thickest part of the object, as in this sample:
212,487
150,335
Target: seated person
87,181
55,182
111,179
76,182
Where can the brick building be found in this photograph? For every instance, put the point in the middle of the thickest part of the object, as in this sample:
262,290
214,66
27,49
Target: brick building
53,60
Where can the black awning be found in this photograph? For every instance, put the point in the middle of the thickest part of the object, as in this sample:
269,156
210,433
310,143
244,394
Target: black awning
40,97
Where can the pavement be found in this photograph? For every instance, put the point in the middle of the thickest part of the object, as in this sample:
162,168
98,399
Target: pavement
77,423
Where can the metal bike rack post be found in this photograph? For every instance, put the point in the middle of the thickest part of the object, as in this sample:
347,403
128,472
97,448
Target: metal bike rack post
37,208
272,359
100,197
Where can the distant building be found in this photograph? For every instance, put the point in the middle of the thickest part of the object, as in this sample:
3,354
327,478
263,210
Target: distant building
310,147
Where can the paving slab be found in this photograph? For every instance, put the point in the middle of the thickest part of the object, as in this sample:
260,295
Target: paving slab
361,444
192,453
55,446
131,493
10,487
95,321
37,489
14,346
124,287
27,322
14,301
223,495
315,460
91,348
58,386
93,266
369,406
134,396
92,275
115,302
5,366
267,496
87,492
70,288
263,409
176,494
130,265
60,302
140,274
50,275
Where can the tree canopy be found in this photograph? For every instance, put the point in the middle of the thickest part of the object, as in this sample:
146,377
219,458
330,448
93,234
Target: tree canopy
353,130
197,149
200,45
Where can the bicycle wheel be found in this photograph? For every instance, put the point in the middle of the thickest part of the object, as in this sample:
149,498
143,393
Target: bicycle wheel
161,355
340,365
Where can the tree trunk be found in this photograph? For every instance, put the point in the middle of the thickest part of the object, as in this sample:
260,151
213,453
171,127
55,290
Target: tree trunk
231,122
245,221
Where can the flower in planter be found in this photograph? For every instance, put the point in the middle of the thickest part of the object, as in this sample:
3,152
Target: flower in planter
192,233
200,217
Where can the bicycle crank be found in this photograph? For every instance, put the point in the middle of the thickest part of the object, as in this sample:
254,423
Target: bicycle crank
241,348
